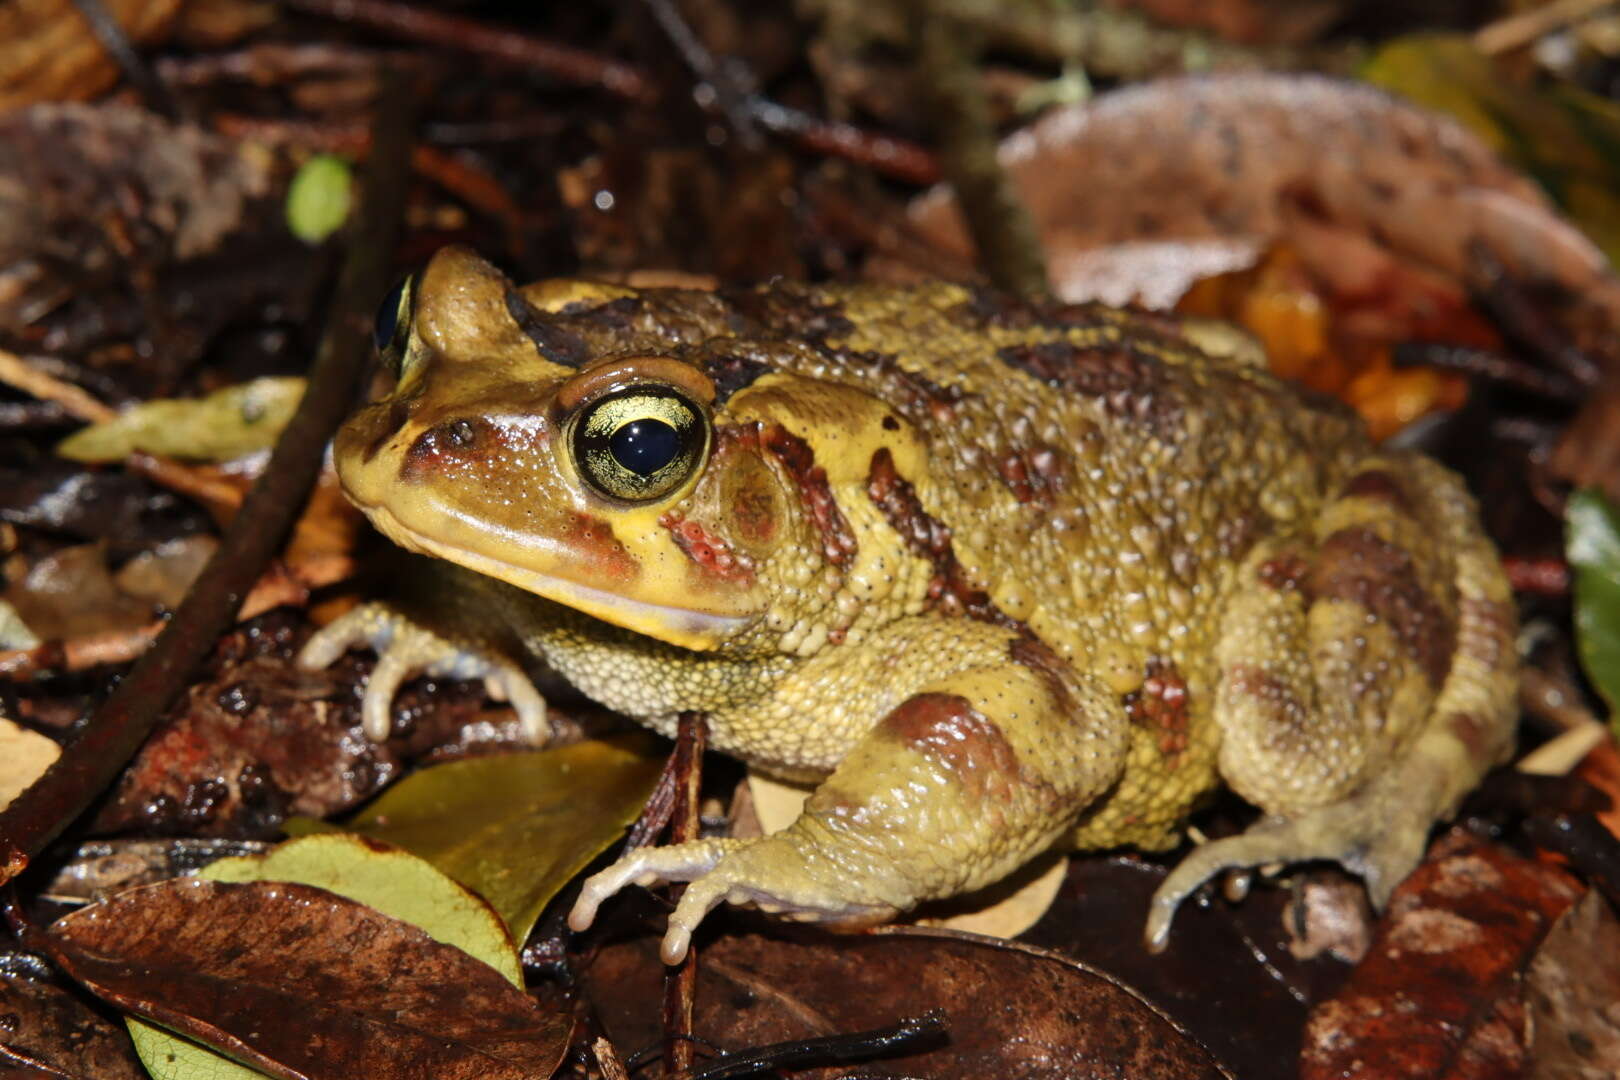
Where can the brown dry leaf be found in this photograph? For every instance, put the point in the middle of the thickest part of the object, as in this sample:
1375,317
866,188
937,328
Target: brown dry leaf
1574,987
1013,1010
48,1034
304,984
24,757
1196,167
70,593
163,574
1290,22
1441,991
49,53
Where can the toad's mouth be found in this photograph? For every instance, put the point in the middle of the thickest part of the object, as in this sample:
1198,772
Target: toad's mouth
685,627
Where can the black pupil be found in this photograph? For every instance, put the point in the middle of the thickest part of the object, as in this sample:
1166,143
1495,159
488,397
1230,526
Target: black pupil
645,446
382,332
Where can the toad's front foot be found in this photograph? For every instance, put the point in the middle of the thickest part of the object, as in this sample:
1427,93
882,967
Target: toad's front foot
788,877
404,650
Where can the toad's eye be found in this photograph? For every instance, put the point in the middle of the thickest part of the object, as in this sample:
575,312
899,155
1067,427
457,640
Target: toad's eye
641,443
392,330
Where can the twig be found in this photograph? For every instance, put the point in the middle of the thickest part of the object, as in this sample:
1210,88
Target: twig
1523,28
1547,577
429,27
1486,364
1003,231
680,985
79,404
608,1061
112,38
904,1036
718,81
129,714
895,158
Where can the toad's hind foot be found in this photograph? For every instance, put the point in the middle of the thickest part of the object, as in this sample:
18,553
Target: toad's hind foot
405,649
1382,852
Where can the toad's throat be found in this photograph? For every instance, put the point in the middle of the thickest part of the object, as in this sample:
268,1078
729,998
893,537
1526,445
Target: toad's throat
685,627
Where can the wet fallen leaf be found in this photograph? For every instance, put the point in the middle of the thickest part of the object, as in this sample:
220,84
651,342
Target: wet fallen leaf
1563,136
1012,1010
1574,984
259,739
130,513
24,757
163,574
1441,992
48,1034
303,983
229,423
516,828
1593,549
70,593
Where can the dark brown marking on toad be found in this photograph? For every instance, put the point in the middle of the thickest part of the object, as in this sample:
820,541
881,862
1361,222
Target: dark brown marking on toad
1358,565
1486,630
1034,474
1378,484
730,372
599,551
452,441
1285,572
1160,706
707,549
951,592
949,731
553,342
1130,384
838,543
1038,656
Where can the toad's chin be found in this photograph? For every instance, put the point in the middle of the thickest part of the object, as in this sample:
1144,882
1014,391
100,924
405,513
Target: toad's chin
685,627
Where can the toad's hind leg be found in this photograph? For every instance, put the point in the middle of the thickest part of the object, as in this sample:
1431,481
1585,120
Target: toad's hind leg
1400,699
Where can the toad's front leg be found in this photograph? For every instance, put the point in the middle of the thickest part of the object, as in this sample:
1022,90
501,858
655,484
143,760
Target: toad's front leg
962,782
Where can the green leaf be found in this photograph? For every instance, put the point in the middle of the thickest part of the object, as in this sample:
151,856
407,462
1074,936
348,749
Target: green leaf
319,198
516,828
1564,137
396,883
1593,549
229,423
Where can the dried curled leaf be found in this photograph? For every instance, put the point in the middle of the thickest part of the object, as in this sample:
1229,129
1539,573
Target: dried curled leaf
305,984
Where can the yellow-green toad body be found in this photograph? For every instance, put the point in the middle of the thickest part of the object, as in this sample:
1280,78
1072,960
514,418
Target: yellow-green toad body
998,577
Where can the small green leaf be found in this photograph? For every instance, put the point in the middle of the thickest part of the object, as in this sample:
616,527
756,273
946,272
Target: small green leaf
1593,540
396,883
319,198
227,424
516,828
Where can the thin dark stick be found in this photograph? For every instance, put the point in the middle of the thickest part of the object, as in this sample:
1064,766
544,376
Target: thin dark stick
118,46
897,159
904,1036
424,25
680,985
123,722
729,98
1495,366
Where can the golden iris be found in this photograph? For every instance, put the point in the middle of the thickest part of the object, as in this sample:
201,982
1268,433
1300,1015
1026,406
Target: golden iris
640,443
